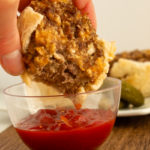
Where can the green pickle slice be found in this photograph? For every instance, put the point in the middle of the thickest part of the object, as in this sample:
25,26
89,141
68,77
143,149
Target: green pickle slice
131,95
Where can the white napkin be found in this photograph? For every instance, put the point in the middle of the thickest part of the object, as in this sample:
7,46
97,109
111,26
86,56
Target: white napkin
4,120
5,81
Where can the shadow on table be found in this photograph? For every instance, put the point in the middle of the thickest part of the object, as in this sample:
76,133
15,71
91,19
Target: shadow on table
133,122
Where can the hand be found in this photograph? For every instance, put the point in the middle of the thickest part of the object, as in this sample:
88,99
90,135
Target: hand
10,55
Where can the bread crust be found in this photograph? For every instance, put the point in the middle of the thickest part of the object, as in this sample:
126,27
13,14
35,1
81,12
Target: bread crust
27,24
109,50
134,72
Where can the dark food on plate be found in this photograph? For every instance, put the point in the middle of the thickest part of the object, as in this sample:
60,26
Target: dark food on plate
136,55
61,48
130,95
134,68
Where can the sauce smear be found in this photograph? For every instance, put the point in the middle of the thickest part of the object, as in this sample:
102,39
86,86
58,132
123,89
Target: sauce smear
70,129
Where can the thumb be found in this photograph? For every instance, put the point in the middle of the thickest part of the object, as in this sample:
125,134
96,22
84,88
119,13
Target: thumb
10,56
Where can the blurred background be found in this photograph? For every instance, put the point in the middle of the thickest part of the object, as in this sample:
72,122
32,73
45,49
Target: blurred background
125,21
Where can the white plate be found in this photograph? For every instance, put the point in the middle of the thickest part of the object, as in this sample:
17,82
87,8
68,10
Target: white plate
139,111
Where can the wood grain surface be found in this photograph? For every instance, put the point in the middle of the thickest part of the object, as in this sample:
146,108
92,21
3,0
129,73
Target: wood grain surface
128,134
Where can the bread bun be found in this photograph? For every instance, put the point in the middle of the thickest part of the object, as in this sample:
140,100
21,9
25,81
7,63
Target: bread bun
30,20
135,72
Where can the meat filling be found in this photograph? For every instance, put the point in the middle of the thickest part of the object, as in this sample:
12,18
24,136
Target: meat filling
64,51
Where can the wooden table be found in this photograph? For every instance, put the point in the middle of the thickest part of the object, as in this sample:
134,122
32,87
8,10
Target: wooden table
128,134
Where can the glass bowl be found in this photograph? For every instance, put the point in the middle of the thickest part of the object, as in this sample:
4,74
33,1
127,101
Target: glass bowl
74,122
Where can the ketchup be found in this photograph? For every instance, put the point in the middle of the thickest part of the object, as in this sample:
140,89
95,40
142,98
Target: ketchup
71,129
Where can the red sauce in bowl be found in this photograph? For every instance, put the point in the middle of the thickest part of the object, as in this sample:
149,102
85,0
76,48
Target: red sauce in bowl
70,129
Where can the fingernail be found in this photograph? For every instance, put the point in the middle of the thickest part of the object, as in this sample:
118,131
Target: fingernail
12,63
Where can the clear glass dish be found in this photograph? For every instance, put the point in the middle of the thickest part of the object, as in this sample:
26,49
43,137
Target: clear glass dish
58,122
